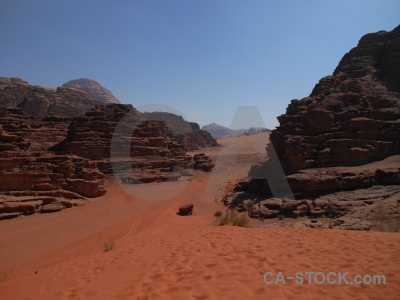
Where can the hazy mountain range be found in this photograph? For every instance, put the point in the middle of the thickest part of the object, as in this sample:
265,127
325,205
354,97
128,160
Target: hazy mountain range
219,131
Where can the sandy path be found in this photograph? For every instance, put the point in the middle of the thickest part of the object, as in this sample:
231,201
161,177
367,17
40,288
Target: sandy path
159,255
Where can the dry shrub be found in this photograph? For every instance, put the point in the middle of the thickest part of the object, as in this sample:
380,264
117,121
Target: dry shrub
109,245
232,217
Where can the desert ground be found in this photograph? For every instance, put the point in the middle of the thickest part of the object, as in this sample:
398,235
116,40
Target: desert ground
158,254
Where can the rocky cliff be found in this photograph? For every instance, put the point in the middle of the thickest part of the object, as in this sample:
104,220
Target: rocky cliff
351,117
34,180
344,137
41,101
187,133
93,89
153,152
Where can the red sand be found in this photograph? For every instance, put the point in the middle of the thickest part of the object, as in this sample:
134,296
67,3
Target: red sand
160,255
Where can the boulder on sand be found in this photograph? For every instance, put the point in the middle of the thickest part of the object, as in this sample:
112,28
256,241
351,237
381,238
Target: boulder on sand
186,210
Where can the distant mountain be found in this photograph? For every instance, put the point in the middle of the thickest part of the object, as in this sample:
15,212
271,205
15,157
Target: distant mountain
42,101
187,133
93,89
219,131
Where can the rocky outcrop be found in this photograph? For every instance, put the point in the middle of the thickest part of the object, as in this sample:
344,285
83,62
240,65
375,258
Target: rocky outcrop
45,174
202,162
351,117
41,101
93,89
187,133
31,177
29,180
153,152
344,137
39,134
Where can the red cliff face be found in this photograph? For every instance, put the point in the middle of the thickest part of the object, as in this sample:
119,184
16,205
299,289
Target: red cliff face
153,151
33,179
351,117
42,102
340,146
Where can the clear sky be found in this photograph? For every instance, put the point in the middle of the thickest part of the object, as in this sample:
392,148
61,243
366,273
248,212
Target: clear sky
204,58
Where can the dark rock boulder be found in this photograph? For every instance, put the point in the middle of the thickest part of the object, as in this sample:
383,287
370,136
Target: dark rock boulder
186,210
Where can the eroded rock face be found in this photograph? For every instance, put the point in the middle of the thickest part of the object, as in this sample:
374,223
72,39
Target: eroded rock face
30,176
39,134
93,89
152,151
344,137
351,117
187,133
41,101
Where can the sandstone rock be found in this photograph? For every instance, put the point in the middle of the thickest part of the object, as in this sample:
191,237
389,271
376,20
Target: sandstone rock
186,133
186,210
154,149
26,208
49,208
351,224
41,101
5,216
19,131
31,176
344,137
93,89
272,204
353,113
202,162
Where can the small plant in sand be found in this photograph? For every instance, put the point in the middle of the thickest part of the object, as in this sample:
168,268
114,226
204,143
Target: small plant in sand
218,214
233,218
281,217
109,245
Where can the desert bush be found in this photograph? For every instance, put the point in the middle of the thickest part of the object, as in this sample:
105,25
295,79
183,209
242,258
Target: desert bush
109,245
234,218
218,214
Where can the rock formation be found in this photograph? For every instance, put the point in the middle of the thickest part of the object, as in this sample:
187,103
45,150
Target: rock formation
186,210
32,181
153,151
187,133
42,102
93,89
39,133
344,137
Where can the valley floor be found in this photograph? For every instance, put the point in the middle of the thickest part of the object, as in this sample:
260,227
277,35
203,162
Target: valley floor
160,255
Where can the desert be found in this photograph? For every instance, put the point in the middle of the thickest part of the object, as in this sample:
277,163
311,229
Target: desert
106,195
161,255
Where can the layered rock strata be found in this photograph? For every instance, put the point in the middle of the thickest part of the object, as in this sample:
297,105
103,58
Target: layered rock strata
344,137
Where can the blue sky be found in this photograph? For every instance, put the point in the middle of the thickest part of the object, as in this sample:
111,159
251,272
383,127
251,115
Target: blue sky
202,58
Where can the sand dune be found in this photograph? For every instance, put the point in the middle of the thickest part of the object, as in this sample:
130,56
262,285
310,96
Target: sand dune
160,255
